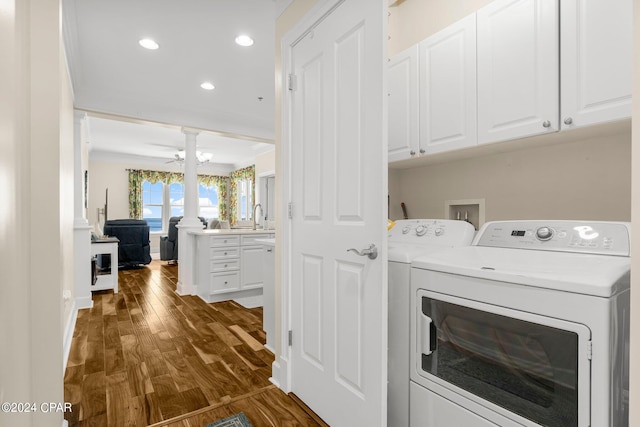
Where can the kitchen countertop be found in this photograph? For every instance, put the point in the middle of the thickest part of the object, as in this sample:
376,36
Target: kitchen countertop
215,232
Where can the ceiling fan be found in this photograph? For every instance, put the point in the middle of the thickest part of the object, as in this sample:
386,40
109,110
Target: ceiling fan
201,158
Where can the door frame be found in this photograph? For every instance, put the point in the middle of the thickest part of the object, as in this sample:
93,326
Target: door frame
282,367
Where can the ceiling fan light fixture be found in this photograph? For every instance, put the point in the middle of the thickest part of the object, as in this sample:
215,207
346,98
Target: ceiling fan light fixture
149,44
207,86
244,40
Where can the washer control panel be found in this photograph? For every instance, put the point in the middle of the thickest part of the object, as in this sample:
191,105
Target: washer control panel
597,237
432,231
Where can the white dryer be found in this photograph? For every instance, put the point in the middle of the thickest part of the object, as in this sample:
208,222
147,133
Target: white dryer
529,326
407,240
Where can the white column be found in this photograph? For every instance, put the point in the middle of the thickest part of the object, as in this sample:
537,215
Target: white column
81,227
190,221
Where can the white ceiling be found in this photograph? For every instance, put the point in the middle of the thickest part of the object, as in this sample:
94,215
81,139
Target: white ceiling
114,77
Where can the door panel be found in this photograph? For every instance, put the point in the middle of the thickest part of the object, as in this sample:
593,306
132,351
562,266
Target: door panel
448,88
517,69
338,169
403,104
312,151
348,114
596,47
312,305
349,333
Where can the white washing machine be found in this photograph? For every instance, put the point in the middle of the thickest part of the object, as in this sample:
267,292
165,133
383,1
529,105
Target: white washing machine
528,326
407,240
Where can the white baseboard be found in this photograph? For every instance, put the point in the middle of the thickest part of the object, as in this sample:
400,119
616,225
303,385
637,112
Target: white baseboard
84,302
68,335
182,289
268,347
275,374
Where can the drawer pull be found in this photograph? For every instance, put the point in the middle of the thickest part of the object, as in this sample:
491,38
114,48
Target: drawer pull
225,253
225,265
226,282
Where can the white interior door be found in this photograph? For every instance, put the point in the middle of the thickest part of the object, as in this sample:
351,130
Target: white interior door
339,186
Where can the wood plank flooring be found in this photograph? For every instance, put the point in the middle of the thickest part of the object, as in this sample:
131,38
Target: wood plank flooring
147,356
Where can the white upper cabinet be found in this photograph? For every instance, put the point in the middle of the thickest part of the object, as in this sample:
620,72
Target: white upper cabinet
596,47
403,104
518,93
448,88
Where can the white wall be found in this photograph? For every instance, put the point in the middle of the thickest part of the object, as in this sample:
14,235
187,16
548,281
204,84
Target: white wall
35,227
587,179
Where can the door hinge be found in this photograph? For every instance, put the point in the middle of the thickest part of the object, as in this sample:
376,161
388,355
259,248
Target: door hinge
292,82
290,210
290,337
589,349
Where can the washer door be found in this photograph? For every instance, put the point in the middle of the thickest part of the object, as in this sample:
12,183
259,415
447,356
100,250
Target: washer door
532,366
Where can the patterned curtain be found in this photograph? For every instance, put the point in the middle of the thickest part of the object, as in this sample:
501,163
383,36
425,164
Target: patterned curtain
235,176
137,177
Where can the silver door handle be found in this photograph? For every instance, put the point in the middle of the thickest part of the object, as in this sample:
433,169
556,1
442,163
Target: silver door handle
372,252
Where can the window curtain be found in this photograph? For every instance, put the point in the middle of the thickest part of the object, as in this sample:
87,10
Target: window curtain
138,176
240,174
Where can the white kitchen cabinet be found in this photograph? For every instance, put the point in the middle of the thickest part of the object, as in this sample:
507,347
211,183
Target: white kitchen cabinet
447,82
403,105
251,260
229,266
596,62
518,63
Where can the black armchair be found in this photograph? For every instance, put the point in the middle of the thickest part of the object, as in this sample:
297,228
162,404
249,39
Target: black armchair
169,243
134,247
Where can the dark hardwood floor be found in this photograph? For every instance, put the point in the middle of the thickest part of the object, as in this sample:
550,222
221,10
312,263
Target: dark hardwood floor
147,356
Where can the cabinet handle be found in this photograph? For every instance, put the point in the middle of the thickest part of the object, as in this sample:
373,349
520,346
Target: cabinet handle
225,253
412,152
226,283
422,151
269,250
225,265
568,121
546,123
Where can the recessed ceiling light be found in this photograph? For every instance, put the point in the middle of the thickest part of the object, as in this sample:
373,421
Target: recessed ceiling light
207,86
149,44
244,40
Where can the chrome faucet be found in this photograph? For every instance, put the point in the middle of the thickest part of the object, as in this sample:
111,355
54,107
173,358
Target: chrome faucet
254,213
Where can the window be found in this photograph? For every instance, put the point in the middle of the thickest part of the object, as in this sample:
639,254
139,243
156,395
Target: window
245,200
176,199
152,196
208,201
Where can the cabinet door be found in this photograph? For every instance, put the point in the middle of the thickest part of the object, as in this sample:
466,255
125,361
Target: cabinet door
596,46
448,88
403,104
517,69
251,262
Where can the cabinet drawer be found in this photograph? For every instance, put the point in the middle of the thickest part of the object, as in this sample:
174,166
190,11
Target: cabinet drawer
226,265
222,253
250,239
225,282
224,240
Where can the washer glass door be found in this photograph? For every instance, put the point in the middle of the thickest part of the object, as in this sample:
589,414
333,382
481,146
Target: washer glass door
514,360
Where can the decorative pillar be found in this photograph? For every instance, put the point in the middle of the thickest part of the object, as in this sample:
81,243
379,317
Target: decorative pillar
189,222
81,227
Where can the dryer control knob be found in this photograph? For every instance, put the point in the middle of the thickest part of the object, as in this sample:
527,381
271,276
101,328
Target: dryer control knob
544,233
406,229
439,231
421,230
